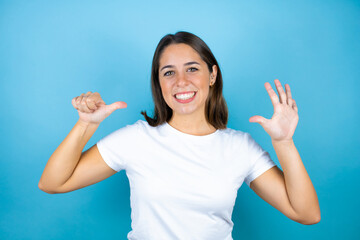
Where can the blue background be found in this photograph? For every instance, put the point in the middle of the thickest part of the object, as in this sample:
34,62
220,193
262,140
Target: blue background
52,51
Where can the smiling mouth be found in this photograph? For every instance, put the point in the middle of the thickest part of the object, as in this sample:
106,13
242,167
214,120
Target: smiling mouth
185,96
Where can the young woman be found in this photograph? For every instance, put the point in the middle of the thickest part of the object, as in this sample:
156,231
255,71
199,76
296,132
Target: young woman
184,165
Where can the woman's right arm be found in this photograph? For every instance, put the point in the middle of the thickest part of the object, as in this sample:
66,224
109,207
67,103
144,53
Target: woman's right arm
69,168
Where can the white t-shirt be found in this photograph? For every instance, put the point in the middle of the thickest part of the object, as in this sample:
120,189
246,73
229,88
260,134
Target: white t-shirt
183,186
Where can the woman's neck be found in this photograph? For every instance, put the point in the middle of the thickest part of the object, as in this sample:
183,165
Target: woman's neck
191,125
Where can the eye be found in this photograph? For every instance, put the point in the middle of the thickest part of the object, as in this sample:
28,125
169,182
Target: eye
168,73
192,69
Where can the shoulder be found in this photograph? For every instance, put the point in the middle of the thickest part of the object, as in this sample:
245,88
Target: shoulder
234,136
144,126
240,140
230,132
144,129
128,130
130,133
138,124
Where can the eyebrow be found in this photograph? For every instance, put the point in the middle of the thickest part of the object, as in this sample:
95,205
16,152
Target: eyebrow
170,66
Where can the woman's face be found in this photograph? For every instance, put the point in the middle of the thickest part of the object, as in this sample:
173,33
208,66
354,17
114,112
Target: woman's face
184,79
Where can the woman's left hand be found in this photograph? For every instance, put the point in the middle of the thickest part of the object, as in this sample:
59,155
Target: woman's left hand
282,125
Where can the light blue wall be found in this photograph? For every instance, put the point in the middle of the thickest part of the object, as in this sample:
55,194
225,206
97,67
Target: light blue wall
52,51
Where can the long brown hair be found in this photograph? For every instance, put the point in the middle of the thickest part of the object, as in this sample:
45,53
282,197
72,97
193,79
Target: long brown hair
216,111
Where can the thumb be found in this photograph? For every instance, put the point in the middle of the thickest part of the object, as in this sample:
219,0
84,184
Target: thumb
117,105
258,119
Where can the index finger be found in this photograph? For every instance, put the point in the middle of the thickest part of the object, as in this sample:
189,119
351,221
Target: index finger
97,98
273,96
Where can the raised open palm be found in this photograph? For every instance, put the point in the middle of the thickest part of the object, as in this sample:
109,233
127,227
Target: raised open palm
282,125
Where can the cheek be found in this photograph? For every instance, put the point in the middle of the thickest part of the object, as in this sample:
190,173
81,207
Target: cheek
206,90
203,84
165,90
201,80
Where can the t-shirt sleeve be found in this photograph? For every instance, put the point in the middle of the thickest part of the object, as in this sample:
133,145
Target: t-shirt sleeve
117,148
260,160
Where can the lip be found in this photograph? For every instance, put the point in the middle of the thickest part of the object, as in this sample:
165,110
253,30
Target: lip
187,100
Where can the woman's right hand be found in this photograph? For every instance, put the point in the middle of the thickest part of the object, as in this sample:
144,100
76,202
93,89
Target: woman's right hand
92,109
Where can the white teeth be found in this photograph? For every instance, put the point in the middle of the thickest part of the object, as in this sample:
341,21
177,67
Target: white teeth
185,96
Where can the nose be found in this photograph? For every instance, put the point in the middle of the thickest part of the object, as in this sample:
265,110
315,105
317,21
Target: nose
182,80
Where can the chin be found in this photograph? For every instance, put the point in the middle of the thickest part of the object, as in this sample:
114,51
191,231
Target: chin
185,111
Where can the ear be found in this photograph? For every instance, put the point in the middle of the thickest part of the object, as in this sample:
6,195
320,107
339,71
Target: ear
213,74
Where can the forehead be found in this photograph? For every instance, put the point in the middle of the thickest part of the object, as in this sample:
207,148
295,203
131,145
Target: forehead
179,53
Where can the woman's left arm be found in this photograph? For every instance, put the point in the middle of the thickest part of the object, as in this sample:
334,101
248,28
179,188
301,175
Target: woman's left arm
290,191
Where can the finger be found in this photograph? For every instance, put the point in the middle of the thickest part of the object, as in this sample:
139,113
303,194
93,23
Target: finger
288,95
78,102
274,98
73,102
83,104
98,100
90,102
117,105
294,105
258,119
280,90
